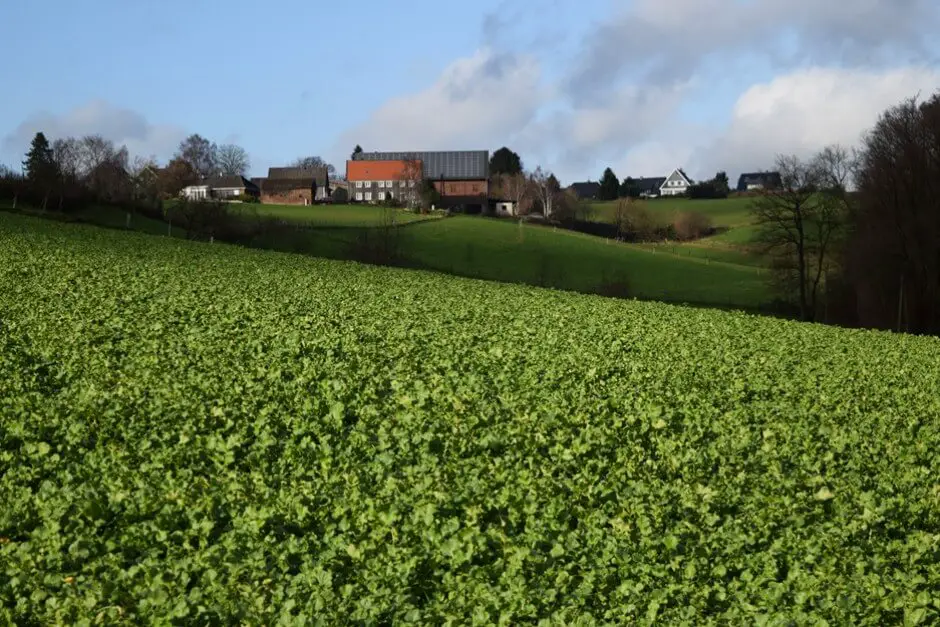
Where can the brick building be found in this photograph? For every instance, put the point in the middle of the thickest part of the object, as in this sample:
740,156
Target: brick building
460,177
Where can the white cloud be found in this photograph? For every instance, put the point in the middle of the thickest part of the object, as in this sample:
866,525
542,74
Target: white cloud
801,112
477,101
618,97
122,126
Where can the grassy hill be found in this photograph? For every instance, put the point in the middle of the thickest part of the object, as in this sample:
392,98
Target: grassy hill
503,250
207,434
334,215
731,216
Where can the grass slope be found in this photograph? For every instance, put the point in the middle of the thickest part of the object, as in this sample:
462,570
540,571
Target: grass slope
733,244
333,215
205,434
502,250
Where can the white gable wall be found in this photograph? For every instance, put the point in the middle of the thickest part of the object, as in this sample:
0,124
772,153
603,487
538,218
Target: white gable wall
675,184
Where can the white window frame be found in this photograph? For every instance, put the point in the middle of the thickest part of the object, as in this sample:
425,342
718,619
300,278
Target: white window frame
388,184
367,196
381,184
359,184
380,196
359,196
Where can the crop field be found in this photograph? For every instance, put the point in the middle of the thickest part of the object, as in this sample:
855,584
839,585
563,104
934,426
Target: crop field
204,434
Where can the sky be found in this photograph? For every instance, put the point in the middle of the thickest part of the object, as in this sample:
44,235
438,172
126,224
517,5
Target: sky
574,86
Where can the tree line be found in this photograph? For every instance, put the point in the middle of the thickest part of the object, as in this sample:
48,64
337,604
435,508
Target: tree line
536,191
854,235
71,172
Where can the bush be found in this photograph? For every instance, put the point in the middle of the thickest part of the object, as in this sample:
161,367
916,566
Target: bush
636,223
250,199
708,189
691,225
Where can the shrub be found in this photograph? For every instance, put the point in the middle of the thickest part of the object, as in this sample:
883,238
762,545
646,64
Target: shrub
691,225
250,199
635,222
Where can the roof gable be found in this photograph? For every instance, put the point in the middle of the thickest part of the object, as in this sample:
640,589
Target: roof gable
231,182
765,179
586,189
679,176
650,184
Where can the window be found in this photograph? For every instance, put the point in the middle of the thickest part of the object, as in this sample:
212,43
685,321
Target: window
236,192
381,184
411,183
367,196
359,196
381,195
359,184
388,184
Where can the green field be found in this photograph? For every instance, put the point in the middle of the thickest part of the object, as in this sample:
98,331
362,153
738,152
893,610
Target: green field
729,212
335,215
731,216
206,434
502,250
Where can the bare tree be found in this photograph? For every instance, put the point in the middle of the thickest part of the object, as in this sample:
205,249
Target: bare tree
894,251
67,154
545,187
201,154
798,222
142,172
94,150
232,160
516,189
315,162
411,184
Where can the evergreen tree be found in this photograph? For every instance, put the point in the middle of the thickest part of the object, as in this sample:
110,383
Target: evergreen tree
630,188
39,166
505,161
722,187
357,150
610,186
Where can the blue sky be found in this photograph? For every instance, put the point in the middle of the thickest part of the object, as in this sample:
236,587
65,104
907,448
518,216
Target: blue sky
573,85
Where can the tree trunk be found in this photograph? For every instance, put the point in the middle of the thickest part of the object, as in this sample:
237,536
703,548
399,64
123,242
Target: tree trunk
900,303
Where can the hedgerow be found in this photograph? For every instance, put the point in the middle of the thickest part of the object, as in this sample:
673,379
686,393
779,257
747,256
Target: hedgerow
203,434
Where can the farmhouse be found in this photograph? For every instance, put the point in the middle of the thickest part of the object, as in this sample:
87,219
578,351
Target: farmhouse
221,188
587,190
758,180
649,187
461,178
675,184
232,187
294,186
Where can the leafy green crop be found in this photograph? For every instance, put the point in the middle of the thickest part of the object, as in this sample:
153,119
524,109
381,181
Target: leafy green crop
201,434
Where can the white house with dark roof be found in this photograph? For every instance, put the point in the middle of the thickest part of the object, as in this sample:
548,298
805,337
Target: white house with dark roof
675,184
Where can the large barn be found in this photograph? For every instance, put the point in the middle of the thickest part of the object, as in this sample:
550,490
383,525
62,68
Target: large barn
460,177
